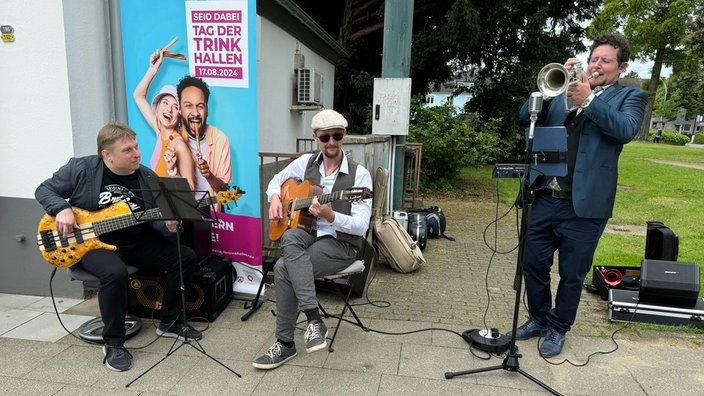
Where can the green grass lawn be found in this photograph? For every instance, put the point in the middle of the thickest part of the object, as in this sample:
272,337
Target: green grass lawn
648,191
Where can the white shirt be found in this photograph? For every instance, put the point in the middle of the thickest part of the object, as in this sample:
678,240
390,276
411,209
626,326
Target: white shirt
357,222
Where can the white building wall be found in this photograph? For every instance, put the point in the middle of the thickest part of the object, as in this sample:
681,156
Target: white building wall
279,126
56,86
35,108
55,80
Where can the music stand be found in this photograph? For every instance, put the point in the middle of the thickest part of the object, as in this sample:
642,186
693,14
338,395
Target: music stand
175,200
546,154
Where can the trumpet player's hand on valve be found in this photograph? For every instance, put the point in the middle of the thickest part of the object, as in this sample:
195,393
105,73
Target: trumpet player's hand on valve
578,92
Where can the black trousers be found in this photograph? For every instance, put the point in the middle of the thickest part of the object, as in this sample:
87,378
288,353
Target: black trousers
154,254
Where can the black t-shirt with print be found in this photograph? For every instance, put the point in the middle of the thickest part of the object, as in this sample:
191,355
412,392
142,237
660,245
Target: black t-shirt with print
117,188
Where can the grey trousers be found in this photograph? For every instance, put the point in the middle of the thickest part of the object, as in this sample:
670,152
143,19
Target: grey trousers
305,258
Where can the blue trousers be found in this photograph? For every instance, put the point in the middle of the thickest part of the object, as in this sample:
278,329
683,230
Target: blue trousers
555,226
154,254
305,258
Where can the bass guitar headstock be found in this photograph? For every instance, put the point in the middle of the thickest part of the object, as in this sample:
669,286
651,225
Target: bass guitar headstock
232,194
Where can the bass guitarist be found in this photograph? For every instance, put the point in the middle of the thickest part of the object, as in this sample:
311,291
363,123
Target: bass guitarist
95,182
331,246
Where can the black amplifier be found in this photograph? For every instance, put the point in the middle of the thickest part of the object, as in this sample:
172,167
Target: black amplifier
669,282
210,292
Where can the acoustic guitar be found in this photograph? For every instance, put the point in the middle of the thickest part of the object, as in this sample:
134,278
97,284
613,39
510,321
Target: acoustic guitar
297,196
64,252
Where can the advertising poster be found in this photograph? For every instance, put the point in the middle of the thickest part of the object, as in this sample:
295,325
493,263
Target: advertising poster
212,42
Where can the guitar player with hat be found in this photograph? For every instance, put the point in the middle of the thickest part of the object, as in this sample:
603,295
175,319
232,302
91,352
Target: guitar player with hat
107,180
328,246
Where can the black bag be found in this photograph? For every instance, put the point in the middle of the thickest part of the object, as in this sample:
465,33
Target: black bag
418,228
436,222
661,243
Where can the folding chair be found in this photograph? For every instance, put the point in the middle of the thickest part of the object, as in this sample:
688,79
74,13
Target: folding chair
365,257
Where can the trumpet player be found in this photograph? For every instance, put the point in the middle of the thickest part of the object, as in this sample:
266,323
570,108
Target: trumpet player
569,213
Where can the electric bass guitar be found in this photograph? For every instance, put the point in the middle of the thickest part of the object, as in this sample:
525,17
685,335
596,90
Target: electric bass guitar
296,196
64,252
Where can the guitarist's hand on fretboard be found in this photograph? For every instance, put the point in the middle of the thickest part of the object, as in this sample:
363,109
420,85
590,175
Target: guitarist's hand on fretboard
66,222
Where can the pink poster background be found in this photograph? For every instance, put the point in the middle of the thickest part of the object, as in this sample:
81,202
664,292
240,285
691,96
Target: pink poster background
229,239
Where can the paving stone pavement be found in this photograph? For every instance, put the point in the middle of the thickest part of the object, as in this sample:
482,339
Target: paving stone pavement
462,286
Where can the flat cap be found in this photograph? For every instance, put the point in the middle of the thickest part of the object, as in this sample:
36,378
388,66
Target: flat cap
328,119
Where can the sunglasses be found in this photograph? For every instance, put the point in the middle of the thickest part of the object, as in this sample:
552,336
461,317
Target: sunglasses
337,136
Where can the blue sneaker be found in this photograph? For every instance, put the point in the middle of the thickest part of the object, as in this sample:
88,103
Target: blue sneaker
316,336
117,357
529,330
552,344
277,355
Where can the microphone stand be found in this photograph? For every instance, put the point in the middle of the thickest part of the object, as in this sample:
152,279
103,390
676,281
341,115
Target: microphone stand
510,362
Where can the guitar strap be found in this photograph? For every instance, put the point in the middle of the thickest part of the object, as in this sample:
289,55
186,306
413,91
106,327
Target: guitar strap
342,182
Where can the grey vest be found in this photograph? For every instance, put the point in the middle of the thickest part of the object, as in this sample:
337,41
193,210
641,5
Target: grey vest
342,182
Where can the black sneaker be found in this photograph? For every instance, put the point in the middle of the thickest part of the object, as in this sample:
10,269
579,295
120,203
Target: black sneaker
178,330
277,355
117,357
316,336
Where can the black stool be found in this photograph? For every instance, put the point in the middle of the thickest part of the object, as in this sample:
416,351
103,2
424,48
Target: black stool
92,330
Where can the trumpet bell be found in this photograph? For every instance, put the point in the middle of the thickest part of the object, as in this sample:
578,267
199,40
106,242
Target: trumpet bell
612,277
553,79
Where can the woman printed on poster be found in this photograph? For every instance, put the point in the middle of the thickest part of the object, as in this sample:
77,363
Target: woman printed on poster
171,156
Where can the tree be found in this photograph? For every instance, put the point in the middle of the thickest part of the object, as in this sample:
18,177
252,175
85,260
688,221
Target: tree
657,31
506,42
690,87
518,38
358,26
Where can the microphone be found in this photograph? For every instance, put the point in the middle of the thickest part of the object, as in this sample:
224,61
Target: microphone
535,103
535,106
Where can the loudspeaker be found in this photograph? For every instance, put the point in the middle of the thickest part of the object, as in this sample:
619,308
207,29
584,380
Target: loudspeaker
661,243
209,294
198,236
669,283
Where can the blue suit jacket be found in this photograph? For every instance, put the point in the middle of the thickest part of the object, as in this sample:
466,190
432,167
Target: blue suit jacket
612,120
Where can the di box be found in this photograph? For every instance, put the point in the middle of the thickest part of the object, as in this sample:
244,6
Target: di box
209,294
669,282
624,306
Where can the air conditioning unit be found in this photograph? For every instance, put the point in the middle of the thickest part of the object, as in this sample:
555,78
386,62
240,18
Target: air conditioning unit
309,86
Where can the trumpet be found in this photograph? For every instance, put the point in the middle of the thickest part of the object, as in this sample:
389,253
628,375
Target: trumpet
554,79
612,277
